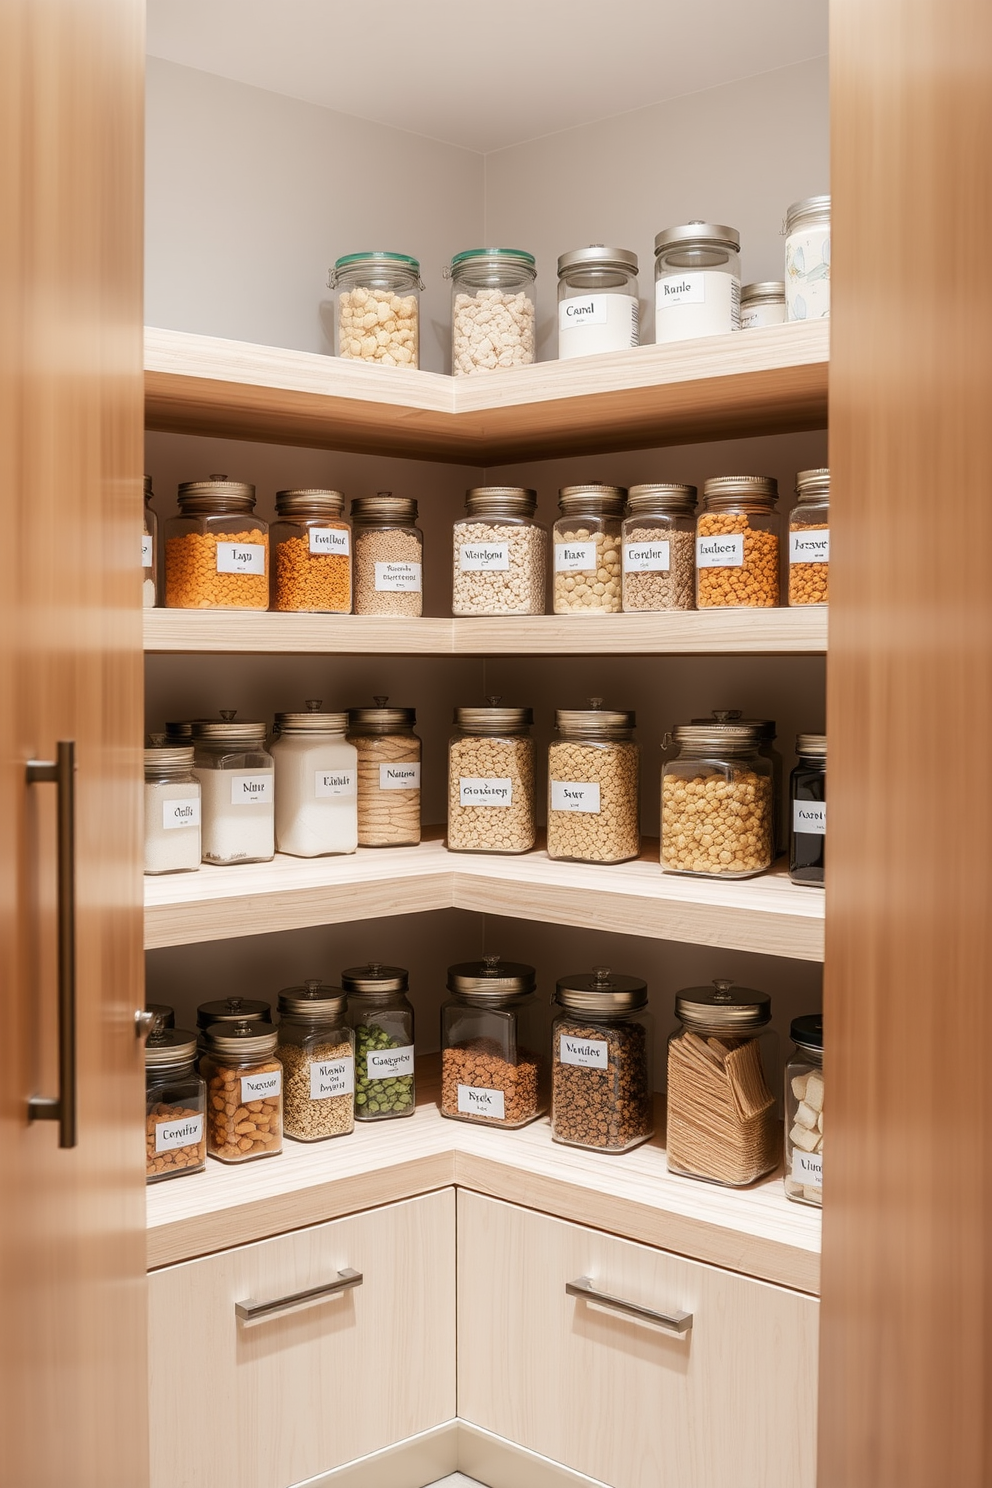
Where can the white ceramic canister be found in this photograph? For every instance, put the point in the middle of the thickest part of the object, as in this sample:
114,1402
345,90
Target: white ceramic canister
597,301
316,783
807,259
697,281
762,305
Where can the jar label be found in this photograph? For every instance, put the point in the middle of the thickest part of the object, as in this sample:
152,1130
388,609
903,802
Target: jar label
574,795
147,550
725,551
588,324
484,792
474,1101
807,1168
576,557
330,540
582,311
402,578
335,783
399,777
705,302
388,1064
810,545
240,558
251,790
810,817
754,316
484,557
587,1053
331,1077
261,1087
653,557
172,1134
184,812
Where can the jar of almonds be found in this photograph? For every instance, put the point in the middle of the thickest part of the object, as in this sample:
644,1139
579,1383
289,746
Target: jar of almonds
311,553
244,1091
491,780
317,1051
175,1102
378,317
602,1045
659,544
809,539
593,775
500,554
382,1016
493,1034
586,545
717,814
389,556
388,774
804,1112
737,543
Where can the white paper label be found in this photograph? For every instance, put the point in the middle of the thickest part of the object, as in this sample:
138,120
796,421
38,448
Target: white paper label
574,795
330,540
261,1087
404,578
180,813
681,289
757,315
251,790
484,792
653,557
585,310
387,1064
588,324
474,1101
147,550
172,1134
810,546
810,817
705,302
399,777
335,783
484,557
587,1053
331,1077
725,551
807,1168
240,558
576,557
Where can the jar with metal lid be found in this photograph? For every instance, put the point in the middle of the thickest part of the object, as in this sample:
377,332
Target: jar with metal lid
493,1034
658,539
389,555
316,782
737,543
172,811
230,1010
602,1045
808,807
717,816
500,554
804,1112
492,309
175,1105
244,1091
216,550
381,1014
317,1051
765,731
763,305
388,774
491,780
166,1015
593,786
235,772
378,318
598,301
697,274
311,553
809,539
586,545
807,259
149,551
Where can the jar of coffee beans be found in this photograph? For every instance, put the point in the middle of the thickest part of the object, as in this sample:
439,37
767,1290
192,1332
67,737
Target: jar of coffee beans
602,1045
382,1018
317,1052
493,1033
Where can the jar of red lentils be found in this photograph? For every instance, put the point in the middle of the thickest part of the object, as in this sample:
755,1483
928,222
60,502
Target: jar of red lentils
311,553
737,543
216,549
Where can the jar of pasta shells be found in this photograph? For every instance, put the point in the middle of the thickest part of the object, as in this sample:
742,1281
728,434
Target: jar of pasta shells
586,547
659,544
244,1091
175,1100
804,1112
593,780
500,554
317,1052
491,780
809,539
602,1046
389,556
311,553
378,317
737,543
388,774
717,814
216,549
493,1035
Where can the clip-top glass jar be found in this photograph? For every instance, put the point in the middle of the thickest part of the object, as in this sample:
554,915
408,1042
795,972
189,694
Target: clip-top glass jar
807,259
311,553
378,317
493,1034
597,301
175,1105
763,304
500,554
737,543
381,1014
602,1046
659,548
216,550
317,1051
586,544
809,539
697,275
491,780
593,780
388,774
717,816
389,555
235,772
808,803
492,309
244,1091
316,773
804,1112
172,811
149,551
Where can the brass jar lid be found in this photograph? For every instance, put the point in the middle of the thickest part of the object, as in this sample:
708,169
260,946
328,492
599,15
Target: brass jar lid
310,503
216,494
227,731
814,746
493,719
500,501
723,1005
384,509
726,490
233,1010
597,500
374,979
491,980
813,485
594,721
314,999
601,991
665,496
244,1038
380,719
313,721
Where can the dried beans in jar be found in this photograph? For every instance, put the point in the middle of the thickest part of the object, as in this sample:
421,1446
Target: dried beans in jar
602,1044
492,1045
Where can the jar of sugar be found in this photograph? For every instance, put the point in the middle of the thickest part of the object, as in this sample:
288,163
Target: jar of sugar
697,275
172,811
316,783
236,775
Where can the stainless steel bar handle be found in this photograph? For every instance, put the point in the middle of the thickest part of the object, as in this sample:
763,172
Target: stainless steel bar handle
674,1322
250,1311
62,773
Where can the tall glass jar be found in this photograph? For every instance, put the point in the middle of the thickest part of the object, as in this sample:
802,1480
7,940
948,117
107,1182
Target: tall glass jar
808,807
602,1045
235,772
381,1014
737,543
216,550
492,309
717,815
804,1112
388,774
378,315
593,786
172,811
493,1035
658,540
722,1123
491,780
149,551
586,545
765,731
175,1106
697,274
244,1091
316,773
500,554
598,301
389,555
807,259
311,553
317,1052
762,305
809,539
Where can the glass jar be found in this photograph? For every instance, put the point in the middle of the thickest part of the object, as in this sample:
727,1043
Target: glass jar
737,543
593,794
492,309
807,259
389,555
658,540
388,774
491,780
804,1112
317,1052
762,305
378,316
586,545
232,1010
722,1124
311,553
602,1046
765,731
493,1034
809,539
235,772
717,817
500,554
598,301
149,551
316,772
382,1017
216,550
697,274
172,811
808,802
244,1091
175,1106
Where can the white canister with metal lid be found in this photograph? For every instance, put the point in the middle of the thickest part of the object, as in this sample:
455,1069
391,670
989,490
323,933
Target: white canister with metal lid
597,301
697,281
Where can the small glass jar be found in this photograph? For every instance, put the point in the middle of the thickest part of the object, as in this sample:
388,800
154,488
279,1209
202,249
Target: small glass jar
804,1112
389,555
316,774
809,539
500,554
378,316
593,786
658,540
737,544
492,309
807,259
317,1052
493,1034
244,1091
491,780
722,1123
175,1106
602,1045
808,805
763,305
697,274
172,811
216,550
586,546
311,553
149,551
717,815
388,774
235,772
380,1013
598,302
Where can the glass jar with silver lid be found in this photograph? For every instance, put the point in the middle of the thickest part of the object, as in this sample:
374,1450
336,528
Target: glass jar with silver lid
598,303
586,546
807,259
491,780
602,1044
809,539
717,810
235,771
388,774
175,1105
172,810
697,281
244,1091
593,775
500,554
737,548
763,304
659,548
316,775
493,1037
317,1051
804,1112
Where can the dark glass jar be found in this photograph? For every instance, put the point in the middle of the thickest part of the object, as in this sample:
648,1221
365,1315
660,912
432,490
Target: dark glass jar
493,1033
808,810
175,1104
382,1017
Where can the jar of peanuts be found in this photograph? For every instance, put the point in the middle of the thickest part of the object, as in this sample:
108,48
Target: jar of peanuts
593,776
382,1016
235,771
722,1122
500,554
175,1105
317,1051
809,539
389,556
602,1046
804,1112
659,545
378,317
216,550
244,1091
316,783
491,780
311,553
492,309
149,551
388,774
717,814
586,545
737,543
493,1036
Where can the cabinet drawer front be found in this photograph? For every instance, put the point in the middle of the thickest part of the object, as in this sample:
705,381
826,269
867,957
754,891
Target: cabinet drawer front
270,1402
729,1403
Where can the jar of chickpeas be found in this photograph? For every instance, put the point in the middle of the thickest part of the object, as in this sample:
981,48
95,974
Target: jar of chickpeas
809,539
586,544
737,543
593,771
717,813
491,780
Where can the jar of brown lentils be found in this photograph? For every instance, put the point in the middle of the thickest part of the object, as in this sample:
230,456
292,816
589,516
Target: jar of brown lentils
737,543
602,1047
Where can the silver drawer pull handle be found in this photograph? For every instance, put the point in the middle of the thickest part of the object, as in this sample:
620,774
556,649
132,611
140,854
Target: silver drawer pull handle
250,1311
675,1322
